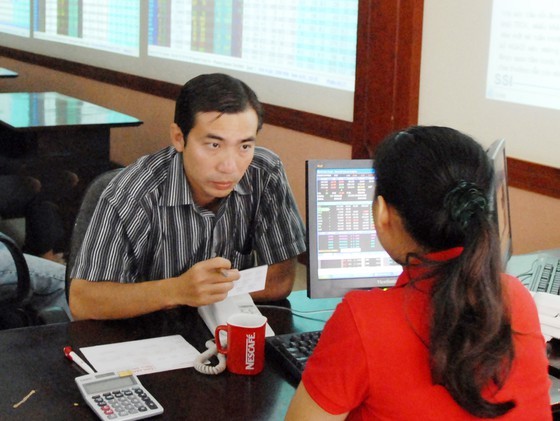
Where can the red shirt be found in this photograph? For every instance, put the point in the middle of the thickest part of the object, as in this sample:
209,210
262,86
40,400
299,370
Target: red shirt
371,363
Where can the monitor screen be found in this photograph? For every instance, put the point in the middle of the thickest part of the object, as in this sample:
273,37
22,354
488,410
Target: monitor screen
499,198
343,248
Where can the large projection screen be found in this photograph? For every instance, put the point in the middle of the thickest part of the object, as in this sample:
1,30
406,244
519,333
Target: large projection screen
298,54
492,69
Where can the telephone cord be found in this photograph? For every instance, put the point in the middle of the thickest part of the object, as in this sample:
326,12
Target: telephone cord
202,362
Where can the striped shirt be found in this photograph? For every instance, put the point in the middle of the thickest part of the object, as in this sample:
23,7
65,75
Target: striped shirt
146,225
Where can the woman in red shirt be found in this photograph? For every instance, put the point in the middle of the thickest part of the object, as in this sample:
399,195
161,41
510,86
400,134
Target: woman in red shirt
455,339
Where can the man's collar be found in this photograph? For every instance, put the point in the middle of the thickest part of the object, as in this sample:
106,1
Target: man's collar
177,190
244,186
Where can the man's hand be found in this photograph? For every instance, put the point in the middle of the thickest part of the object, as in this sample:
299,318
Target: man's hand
205,282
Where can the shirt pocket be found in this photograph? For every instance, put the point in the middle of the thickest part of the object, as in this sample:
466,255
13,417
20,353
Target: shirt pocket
241,260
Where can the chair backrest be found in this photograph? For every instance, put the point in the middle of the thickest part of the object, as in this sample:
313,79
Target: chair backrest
13,296
87,207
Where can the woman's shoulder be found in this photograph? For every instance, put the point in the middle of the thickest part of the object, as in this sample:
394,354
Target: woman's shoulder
366,296
377,300
515,287
522,305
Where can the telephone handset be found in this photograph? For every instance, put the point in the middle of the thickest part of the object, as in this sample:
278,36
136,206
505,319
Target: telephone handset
218,313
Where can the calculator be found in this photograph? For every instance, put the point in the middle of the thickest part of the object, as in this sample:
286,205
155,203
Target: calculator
118,396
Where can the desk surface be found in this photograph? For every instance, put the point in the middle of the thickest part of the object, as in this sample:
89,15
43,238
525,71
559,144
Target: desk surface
32,359
40,110
7,72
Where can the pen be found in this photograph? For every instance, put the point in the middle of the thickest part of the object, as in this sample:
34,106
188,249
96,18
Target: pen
72,356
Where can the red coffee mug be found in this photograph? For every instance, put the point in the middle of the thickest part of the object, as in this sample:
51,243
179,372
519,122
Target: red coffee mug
245,343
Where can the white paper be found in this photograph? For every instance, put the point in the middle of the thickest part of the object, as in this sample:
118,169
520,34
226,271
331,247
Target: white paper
246,305
252,279
143,356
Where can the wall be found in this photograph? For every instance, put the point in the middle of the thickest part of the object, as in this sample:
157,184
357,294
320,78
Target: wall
534,221
534,216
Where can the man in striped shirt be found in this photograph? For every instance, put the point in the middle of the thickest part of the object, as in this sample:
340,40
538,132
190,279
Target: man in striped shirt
189,217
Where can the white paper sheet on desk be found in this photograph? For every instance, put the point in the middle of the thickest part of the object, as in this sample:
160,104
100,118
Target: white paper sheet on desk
253,279
143,356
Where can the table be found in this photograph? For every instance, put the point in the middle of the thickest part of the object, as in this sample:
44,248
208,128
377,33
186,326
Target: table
50,134
59,130
32,359
7,73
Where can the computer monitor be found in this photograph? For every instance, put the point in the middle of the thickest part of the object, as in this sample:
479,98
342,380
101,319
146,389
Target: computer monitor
499,197
342,245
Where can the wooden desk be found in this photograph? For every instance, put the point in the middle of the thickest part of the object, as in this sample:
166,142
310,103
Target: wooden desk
32,359
7,73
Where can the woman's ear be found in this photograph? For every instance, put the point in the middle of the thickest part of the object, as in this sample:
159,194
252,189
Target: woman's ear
177,139
391,232
380,213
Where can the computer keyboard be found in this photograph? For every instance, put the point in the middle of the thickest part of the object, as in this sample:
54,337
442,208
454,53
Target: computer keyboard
292,350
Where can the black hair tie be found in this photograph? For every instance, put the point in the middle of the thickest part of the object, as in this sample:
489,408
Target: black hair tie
463,201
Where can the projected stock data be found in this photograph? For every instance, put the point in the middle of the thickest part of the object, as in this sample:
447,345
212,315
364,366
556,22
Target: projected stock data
297,54
110,25
303,40
524,58
15,17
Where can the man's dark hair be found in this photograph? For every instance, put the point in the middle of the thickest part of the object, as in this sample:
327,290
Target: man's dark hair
214,92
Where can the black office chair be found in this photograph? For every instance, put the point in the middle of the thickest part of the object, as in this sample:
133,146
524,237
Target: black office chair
87,207
15,297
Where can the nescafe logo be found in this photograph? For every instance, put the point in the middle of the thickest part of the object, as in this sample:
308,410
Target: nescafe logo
250,351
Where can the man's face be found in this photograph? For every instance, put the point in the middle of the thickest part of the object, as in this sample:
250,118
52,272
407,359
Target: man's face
217,152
